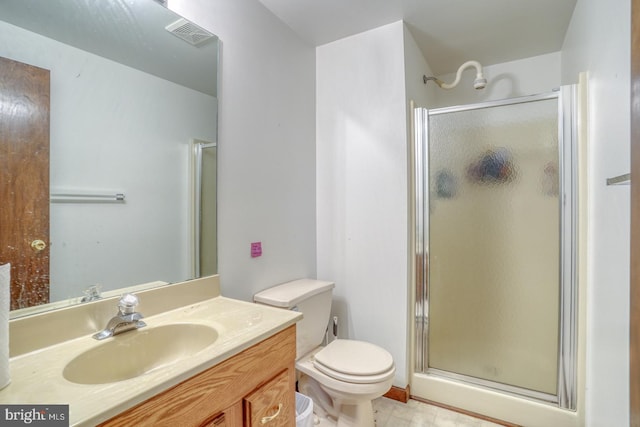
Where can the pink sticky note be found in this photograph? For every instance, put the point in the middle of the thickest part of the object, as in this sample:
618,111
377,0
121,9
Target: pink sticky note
256,249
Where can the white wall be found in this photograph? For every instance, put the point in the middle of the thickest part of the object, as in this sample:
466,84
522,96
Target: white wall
362,186
105,139
416,67
598,41
266,151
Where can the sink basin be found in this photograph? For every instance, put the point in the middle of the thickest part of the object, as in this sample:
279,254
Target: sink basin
138,352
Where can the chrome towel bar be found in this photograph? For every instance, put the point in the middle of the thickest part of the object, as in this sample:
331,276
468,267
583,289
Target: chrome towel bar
624,179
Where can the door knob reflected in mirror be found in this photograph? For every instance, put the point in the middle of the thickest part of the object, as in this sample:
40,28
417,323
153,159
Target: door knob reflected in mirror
38,245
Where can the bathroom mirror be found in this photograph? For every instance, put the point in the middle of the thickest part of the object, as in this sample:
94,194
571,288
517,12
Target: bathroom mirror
133,98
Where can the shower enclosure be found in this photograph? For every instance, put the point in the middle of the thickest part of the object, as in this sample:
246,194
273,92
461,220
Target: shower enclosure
495,245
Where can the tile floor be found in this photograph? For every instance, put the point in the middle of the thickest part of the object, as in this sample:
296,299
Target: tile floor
391,413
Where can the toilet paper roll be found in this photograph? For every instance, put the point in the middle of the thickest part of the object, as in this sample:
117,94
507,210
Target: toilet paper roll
5,295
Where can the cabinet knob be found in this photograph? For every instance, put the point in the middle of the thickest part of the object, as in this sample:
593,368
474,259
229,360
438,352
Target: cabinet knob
265,420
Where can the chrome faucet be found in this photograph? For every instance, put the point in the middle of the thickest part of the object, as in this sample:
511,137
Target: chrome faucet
126,319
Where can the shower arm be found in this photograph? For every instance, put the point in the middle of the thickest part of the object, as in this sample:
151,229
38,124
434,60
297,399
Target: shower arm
479,83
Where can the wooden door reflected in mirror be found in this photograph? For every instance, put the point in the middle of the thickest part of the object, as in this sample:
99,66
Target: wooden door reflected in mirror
24,182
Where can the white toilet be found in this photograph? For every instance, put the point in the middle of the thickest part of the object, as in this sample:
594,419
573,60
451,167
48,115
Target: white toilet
341,378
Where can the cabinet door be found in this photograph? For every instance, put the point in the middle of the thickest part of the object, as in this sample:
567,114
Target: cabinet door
272,404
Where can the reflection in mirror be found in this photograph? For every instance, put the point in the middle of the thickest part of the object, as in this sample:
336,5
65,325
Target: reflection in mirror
121,101
205,168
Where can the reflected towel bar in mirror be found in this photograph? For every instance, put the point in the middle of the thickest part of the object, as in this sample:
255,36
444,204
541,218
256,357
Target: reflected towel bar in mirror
87,198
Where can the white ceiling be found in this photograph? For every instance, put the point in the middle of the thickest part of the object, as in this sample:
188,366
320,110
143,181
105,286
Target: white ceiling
449,32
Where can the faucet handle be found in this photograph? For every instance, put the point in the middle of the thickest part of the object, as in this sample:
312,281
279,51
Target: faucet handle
92,293
128,303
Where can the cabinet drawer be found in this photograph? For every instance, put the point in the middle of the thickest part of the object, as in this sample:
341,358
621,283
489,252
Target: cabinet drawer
231,417
272,404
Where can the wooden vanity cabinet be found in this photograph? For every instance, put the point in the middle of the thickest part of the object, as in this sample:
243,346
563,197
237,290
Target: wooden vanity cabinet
253,388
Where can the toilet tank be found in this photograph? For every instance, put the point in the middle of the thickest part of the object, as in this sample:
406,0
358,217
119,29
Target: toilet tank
310,297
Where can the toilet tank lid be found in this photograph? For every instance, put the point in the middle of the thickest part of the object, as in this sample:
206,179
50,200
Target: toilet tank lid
287,295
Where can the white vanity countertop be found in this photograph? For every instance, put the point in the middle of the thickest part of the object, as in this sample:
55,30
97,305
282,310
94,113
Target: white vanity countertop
36,377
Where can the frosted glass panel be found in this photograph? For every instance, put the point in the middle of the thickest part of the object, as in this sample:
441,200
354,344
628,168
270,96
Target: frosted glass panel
494,221
208,218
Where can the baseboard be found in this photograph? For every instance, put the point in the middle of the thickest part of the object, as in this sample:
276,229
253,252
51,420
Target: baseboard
465,412
398,393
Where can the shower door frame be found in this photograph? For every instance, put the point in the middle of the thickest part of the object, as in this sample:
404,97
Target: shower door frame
197,147
568,317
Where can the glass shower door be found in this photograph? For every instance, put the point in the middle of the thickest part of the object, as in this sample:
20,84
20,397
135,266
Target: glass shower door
205,231
493,222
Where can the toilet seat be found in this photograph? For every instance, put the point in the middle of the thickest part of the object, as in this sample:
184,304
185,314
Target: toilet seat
354,361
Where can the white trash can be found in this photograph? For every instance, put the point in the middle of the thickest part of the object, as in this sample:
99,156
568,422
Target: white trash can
304,411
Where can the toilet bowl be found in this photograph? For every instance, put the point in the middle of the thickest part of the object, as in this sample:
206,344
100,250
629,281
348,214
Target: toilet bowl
343,377
342,389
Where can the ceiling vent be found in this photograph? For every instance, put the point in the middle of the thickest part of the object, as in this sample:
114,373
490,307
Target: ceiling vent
189,32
